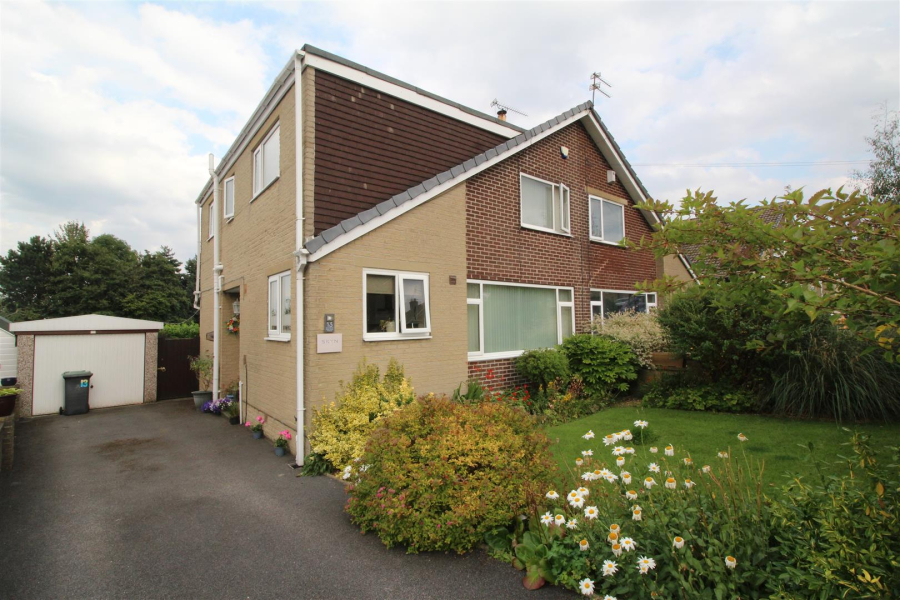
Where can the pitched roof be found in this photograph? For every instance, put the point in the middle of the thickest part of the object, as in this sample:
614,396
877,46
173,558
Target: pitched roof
85,323
457,173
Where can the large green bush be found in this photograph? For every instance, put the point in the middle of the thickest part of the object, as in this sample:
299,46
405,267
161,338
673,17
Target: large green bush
181,330
684,393
603,364
340,430
543,366
640,331
438,475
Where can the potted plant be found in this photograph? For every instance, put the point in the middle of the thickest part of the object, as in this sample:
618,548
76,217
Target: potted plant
202,366
231,410
281,443
256,428
233,325
8,398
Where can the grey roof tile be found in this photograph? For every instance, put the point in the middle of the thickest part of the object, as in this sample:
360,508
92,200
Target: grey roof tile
480,158
385,206
469,164
351,223
367,215
445,176
415,191
331,233
430,183
519,138
457,171
490,154
314,244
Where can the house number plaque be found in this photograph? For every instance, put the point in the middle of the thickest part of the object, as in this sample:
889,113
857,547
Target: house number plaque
329,342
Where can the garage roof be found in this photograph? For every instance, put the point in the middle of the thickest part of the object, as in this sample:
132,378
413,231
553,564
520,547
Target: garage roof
86,323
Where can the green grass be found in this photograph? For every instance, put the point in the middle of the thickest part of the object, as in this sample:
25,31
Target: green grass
781,443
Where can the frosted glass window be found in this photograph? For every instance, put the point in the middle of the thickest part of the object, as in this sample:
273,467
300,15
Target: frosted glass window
565,321
285,303
474,328
519,318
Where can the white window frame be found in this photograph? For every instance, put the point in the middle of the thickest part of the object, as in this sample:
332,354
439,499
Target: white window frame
278,335
259,161
602,200
403,332
225,214
211,225
647,295
481,354
556,208
476,301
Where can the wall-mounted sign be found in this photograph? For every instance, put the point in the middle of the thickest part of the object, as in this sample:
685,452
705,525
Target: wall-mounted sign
209,335
329,342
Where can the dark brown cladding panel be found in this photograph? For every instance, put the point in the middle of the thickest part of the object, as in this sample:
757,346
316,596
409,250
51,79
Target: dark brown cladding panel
371,146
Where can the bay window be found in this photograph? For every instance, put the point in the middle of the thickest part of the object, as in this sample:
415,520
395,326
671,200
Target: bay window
396,305
505,320
544,206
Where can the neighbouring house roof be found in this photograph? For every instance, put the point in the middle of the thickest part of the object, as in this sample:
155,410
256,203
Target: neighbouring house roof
85,323
766,214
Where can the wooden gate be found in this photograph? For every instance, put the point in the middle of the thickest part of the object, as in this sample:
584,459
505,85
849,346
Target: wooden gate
174,376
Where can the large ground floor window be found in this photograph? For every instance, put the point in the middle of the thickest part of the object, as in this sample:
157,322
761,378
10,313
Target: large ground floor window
504,320
606,302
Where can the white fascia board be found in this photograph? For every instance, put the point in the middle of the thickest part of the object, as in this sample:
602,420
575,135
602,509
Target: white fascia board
318,62
259,117
357,232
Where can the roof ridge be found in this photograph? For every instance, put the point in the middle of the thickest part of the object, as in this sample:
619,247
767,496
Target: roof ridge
409,194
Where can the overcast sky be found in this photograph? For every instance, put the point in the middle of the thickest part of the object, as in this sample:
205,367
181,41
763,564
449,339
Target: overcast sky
107,111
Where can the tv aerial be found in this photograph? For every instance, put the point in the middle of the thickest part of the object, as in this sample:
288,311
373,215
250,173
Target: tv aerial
504,108
597,83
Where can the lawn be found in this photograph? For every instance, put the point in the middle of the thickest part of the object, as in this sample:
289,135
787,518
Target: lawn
781,443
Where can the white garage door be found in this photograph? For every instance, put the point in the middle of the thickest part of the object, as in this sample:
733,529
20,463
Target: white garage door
117,362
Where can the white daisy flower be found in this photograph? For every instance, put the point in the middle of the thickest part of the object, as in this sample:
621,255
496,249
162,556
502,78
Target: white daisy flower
583,492
620,462
587,453
591,512
589,435
586,586
576,502
348,470
559,520
608,597
628,544
723,454
629,450
614,528
546,518
572,524
627,436
609,568
641,424
653,449
611,477
649,482
626,477
670,483
678,542
730,562
688,484
646,564
602,473
707,468
742,437
616,549
552,495
579,462
636,515
572,495
609,440
618,451
587,476
654,468
613,537
583,545
688,462
670,450
631,495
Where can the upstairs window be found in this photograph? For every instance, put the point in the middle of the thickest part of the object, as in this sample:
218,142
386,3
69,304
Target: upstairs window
605,302
280,307
211,227
396,305
228,193
607,220
266,161
544,205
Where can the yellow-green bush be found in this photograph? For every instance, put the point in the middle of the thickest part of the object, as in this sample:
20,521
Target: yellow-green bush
341,429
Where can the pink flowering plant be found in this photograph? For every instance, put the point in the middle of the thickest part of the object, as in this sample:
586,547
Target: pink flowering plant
258,426
283,439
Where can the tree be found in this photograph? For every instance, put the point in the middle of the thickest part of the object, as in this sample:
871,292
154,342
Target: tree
25,274
834,256
882,178
159,293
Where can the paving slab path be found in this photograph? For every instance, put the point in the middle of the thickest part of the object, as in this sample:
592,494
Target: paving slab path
159,501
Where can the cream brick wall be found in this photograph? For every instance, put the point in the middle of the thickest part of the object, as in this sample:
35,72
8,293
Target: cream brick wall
256,243
430,239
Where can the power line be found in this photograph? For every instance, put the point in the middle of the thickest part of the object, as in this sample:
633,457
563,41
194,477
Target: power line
799,163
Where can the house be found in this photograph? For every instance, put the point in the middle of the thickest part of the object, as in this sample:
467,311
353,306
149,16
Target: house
357,217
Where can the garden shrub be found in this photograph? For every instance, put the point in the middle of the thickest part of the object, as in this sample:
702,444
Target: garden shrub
841,539
180,330
340,430
603,364
832,376
684,393
640,331
438,475
543,366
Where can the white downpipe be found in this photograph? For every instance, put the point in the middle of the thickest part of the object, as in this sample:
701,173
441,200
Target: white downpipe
197,266
241,401
217,276
300,253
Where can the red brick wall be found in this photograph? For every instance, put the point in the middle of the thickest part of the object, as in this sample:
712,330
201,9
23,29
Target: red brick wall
500,249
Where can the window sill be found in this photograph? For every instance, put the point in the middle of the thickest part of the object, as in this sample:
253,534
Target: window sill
229,218
263,191
495,356
278,339
397,338
616,244
545,230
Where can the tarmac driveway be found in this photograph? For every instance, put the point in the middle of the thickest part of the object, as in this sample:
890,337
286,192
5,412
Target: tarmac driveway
159,501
